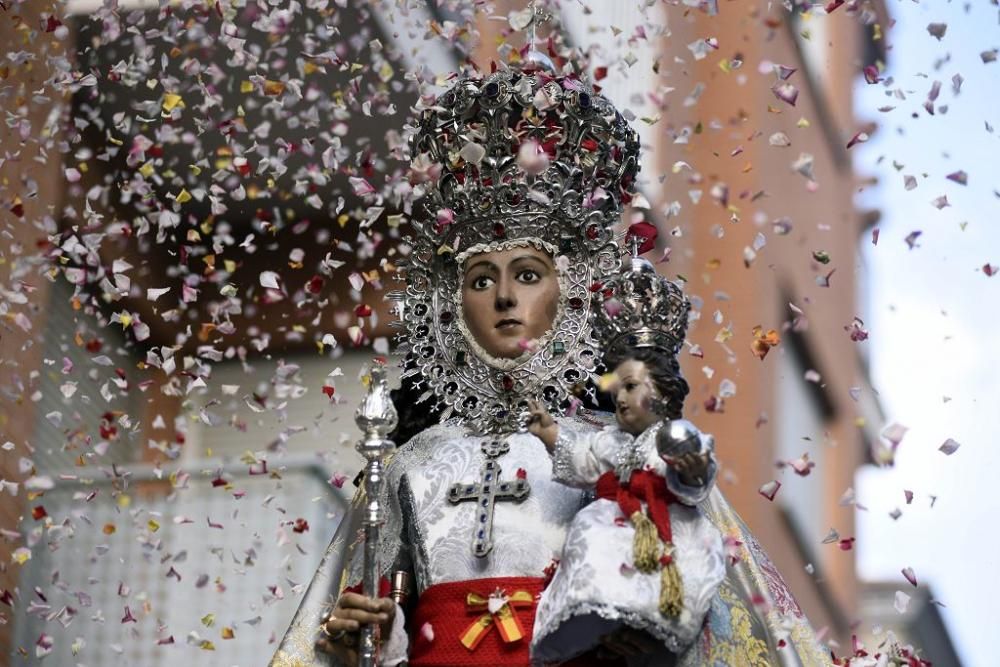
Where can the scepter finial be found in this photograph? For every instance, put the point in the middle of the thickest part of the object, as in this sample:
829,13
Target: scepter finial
376,415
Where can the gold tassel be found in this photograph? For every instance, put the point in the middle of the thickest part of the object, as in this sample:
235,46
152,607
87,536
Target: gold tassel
671,586
645,544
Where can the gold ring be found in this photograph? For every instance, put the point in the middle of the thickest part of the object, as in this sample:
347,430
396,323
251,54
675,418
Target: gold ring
339,637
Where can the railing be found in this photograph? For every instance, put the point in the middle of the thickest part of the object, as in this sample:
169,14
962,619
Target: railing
148,567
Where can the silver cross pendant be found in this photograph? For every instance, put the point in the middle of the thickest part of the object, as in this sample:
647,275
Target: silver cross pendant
489,490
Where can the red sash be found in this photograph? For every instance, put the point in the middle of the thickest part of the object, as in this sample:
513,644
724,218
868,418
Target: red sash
643,485
470,631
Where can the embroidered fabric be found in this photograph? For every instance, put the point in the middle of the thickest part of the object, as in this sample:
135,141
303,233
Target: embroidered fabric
562,457
614,618
434,537
595,588
631,456
739,629
392,545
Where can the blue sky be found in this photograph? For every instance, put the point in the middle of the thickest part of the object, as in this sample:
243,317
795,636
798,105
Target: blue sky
934,317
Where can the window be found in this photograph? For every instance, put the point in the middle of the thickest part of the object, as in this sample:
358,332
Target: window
800,430
73,402
280,405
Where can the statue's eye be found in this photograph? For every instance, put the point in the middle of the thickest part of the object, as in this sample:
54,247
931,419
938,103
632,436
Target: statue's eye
529,276
481,282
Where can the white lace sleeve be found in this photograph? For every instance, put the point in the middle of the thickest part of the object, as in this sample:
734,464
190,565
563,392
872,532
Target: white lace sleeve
692,495
395,647
581,456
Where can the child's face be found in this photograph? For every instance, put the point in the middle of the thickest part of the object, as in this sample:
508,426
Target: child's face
634,393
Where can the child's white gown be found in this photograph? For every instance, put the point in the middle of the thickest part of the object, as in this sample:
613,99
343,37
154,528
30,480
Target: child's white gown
596,588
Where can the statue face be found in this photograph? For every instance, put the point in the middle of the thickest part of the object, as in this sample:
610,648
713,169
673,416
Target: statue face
509,297
634,394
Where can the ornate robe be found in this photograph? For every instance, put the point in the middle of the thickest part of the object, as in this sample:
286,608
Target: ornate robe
431,538
594,590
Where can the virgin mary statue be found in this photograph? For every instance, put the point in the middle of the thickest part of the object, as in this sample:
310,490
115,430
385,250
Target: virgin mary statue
524,175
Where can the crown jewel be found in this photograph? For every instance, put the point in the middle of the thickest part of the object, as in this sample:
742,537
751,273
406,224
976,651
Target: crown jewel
640,308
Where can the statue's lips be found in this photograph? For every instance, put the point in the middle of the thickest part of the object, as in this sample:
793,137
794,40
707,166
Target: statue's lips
507,324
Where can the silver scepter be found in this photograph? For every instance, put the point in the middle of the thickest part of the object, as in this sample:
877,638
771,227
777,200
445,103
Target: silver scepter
376,417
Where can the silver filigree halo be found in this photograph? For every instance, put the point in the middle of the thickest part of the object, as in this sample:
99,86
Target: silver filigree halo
640,308
482,198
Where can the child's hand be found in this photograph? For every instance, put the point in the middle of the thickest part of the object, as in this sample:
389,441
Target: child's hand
542,425
692,467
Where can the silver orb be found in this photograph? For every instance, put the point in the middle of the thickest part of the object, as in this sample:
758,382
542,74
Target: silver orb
678,437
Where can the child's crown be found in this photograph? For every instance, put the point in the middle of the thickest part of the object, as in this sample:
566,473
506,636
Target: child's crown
639,308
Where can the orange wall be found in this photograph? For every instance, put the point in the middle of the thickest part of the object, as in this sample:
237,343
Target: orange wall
783,270
20,352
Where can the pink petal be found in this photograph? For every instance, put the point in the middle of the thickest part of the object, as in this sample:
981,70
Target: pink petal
528,344
532,159
894,433
770,490
269,279
910,577
784,72
445,216
859,138
786,92
361,186
473,152
949,447
802,465
937,30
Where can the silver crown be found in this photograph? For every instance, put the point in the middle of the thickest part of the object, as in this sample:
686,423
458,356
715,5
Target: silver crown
640,308
572,194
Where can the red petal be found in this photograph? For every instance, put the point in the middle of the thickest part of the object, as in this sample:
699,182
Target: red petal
645,233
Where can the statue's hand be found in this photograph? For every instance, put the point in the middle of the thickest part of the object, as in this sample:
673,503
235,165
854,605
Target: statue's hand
339,635
542,425
692,467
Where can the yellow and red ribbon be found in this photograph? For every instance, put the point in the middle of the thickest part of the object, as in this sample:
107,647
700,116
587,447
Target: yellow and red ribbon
504,618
